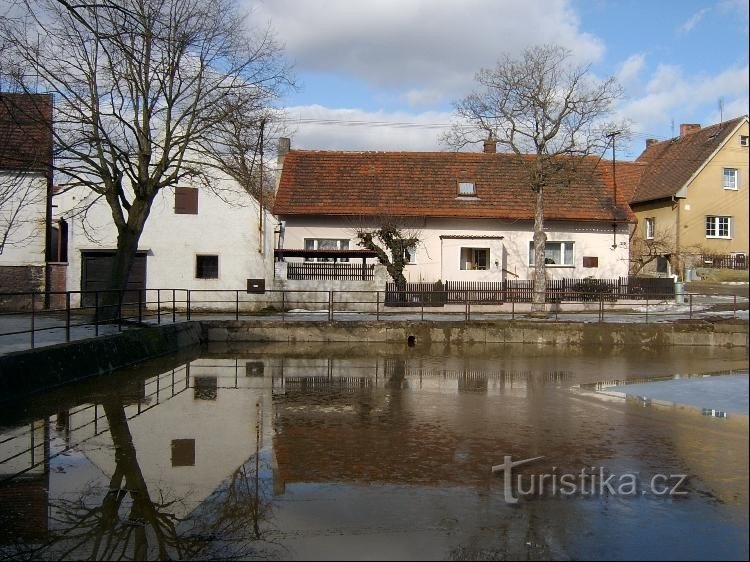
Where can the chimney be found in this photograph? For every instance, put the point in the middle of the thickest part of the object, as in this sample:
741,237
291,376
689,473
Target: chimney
490,145
285,145
649,142
686,128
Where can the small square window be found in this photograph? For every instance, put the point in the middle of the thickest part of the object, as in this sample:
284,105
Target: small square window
590,261
207,267
183,452
475,259
466,188
731,178
186,201
743,140
410,254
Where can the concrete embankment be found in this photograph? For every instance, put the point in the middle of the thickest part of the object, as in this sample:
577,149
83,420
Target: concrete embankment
51,366
566,334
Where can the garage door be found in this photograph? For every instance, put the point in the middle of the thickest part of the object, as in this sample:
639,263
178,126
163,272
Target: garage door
97,270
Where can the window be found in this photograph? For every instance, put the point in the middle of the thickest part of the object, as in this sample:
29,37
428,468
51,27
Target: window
731,178
474,258
590,261
466,189
718,227
207,267
743,140
326,244
186,201
555,253
183,452
650,227
410,254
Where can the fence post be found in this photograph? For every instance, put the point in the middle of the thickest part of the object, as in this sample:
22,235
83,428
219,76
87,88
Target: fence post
158,306
33,307
96,313
188,305
67,316
237,305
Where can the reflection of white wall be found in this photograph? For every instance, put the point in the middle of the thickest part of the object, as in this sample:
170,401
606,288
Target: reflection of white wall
225,225
224,430
438,253
22,449
22,217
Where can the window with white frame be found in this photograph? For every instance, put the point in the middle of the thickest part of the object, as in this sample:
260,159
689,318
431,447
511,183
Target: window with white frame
410,254
326,244
718,227
743,140
650,227
555,254
467,189
731,178
475,258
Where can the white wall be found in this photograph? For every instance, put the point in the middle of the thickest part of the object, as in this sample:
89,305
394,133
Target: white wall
439,258
25,243
228,229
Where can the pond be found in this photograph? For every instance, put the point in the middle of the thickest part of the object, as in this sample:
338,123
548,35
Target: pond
344,452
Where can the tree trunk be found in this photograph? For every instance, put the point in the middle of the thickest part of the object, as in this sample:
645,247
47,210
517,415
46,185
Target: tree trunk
540,270
127,247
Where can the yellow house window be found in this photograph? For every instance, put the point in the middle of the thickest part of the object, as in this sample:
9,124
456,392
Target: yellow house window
731,178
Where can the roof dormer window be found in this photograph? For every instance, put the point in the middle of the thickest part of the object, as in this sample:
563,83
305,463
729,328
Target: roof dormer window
467,189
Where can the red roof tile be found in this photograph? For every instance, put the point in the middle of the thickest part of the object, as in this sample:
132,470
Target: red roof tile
25,131
425,184
671,163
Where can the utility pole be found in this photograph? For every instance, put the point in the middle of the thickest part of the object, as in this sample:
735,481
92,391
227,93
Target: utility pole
260,188
612,136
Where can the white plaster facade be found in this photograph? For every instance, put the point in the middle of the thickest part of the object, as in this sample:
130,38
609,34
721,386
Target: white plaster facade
22,218
439,253
226,225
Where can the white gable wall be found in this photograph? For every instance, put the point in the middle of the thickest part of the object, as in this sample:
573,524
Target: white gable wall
25,243
440,258
172,241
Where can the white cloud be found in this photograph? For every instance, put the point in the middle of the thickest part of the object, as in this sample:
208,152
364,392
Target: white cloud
355,129
430,45
631,68
694,20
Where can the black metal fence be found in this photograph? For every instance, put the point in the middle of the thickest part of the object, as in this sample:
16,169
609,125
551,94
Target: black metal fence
730,261
328,271
558,290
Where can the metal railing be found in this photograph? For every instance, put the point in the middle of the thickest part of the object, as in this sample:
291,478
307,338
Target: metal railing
81,314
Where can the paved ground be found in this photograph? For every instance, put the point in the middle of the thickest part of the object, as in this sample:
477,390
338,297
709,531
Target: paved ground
726,393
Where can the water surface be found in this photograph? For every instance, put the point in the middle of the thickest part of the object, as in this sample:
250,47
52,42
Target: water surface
358,452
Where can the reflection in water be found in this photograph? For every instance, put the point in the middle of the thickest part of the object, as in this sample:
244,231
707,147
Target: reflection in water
306,455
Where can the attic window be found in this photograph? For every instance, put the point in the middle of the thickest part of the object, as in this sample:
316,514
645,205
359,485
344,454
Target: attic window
466,189
743,140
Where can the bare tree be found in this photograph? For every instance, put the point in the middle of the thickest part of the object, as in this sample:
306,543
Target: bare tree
393,240
543,105
139,86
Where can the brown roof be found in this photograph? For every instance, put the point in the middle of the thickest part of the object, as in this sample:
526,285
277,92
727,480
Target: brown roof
671,163
425,184
26,131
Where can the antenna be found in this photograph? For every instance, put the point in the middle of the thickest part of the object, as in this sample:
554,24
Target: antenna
721,110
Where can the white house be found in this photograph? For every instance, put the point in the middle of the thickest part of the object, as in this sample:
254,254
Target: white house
473,212
25,181
195,238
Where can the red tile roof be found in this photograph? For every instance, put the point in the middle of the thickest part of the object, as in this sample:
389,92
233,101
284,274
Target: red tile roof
425,184
671,163
25,131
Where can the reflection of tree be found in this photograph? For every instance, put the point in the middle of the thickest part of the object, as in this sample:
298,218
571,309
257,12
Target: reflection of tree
126,522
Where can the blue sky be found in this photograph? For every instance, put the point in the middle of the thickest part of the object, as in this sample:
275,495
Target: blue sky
361,65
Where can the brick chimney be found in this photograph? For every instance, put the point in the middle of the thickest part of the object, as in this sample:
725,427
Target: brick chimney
285,145
649,142
490,145
686,128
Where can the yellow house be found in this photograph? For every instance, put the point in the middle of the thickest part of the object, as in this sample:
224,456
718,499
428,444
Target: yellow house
692,199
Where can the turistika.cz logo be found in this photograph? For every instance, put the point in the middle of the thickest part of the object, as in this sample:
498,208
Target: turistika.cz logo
590,481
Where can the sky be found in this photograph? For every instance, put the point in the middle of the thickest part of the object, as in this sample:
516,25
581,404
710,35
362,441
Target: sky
384,74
